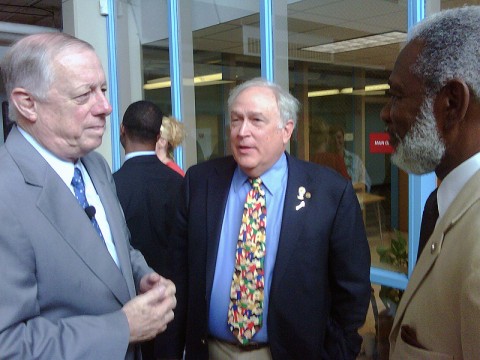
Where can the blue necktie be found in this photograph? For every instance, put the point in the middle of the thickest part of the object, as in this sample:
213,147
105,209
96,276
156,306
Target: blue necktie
79,188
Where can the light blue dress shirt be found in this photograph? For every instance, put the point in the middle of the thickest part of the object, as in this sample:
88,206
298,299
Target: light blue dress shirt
274,181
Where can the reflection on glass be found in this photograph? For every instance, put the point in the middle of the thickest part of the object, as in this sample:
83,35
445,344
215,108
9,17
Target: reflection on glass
156,74
340,57
228,45
338,69
226,52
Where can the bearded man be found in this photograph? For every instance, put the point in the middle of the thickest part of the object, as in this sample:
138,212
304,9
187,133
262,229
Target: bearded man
433,118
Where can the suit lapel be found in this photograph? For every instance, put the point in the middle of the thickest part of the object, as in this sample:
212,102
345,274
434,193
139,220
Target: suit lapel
77,230
465,199
421,270
292,219
218,187
114,213
72,225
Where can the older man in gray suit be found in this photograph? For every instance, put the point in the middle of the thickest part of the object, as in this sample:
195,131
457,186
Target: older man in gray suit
68,275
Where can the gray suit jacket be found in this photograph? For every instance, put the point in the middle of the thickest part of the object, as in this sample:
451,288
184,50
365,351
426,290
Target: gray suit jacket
442,299
61,291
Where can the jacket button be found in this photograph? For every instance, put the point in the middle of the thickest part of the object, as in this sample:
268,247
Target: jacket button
433,247
203,341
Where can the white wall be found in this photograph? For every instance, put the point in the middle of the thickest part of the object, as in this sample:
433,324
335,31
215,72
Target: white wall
82,18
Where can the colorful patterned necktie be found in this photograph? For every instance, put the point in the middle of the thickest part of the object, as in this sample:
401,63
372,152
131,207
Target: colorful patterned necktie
79,189
245,312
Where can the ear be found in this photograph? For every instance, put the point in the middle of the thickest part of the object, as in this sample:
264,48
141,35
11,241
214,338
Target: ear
122,135
25,103
287,131
162,142
452,102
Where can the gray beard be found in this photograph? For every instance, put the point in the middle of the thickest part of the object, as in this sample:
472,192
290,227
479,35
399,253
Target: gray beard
422,149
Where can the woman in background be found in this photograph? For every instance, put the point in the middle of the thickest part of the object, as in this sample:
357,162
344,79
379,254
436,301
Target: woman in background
172,133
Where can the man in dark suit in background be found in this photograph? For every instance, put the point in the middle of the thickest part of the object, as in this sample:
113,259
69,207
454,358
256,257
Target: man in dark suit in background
310,289
147,188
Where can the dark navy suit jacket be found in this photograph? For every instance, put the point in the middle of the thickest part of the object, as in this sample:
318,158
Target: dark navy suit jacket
320,287
147,190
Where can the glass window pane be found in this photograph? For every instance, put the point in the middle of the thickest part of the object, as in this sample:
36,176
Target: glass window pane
226,52
156,74
448,4
226,47
341,54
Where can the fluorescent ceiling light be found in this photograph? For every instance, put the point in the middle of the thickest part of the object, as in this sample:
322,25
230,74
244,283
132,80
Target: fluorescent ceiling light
165,82
378,89
360,43
323,93
159,83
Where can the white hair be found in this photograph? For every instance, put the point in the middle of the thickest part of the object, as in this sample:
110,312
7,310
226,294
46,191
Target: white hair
451,48
288,106
29,63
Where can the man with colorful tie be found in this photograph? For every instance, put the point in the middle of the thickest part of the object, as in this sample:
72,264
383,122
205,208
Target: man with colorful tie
68,276
269,253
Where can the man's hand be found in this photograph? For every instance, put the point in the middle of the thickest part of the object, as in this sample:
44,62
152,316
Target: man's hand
151,280
149,313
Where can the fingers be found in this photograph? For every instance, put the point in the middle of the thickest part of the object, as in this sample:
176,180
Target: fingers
170,288
148,314
149,281
155,295
152,280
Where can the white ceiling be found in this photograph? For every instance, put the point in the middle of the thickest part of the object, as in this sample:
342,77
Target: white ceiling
218,29
222,26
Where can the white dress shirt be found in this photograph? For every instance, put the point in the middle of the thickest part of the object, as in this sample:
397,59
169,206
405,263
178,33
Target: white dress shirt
65,170
454,182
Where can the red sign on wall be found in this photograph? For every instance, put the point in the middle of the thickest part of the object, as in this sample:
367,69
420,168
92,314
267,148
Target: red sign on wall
380,143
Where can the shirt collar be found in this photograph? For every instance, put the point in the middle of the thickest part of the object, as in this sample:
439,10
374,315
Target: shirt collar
455,181
138,153
63,168
269,177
